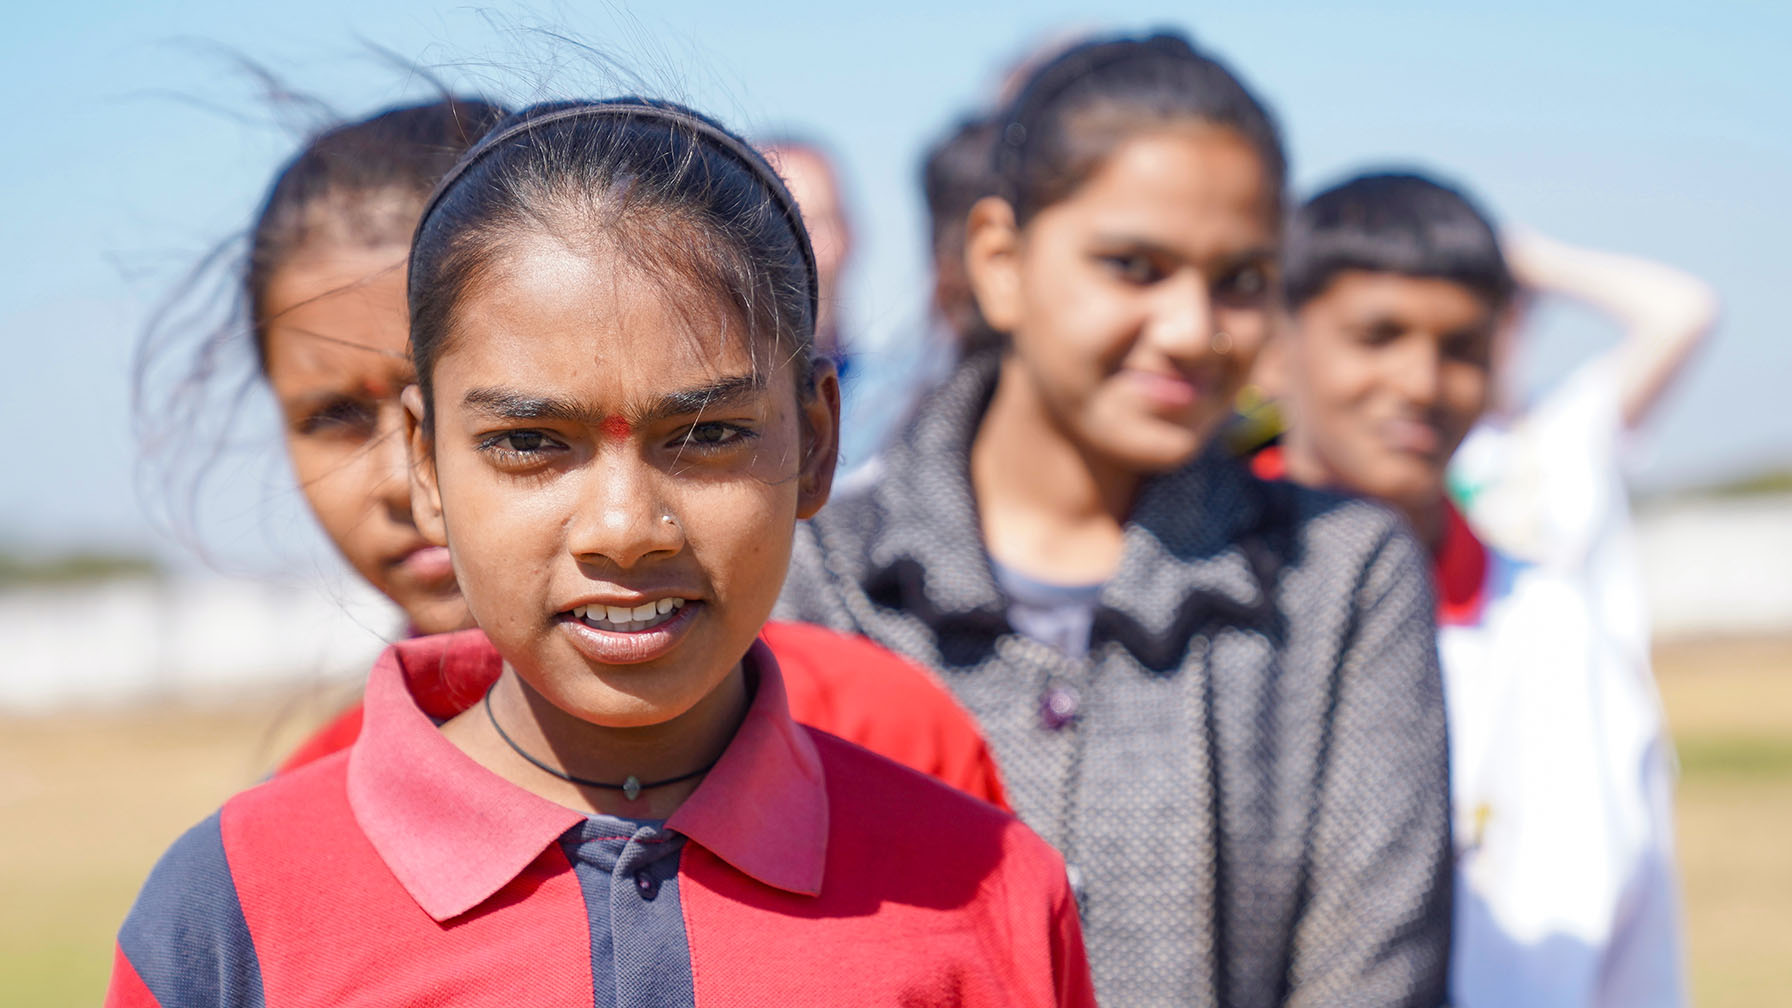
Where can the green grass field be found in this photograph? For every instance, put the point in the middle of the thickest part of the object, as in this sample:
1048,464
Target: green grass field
90,799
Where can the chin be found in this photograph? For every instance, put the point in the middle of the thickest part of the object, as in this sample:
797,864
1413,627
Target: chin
442,616
1148,452
1407,489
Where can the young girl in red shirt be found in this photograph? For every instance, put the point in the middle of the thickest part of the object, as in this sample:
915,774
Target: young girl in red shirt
618,421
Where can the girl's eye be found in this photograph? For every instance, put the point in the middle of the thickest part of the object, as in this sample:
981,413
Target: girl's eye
1132,268
339,418
1469,347
1245,284
1378,333
519,446
715,434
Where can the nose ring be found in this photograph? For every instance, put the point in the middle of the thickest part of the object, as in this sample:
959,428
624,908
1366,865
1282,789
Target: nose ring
1221,343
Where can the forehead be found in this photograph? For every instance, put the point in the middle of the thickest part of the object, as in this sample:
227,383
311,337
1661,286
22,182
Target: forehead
1200,188
337,313
1414,302
808,176
587,321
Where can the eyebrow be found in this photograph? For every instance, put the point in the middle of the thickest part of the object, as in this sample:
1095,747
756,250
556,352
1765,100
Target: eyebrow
1119,240
505,404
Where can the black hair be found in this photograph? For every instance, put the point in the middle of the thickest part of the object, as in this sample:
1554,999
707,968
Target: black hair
684,196
1393,222
1075,108
358,185
203,353
956,172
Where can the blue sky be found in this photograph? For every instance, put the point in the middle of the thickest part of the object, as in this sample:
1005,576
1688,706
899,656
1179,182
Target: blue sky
1661,130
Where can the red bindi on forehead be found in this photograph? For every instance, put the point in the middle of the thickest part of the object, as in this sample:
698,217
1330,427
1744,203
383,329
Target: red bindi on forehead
616,427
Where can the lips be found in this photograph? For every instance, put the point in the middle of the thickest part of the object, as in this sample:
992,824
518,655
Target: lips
1413,436
1169,391
427,564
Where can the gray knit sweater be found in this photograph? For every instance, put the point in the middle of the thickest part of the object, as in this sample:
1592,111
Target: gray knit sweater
1247,772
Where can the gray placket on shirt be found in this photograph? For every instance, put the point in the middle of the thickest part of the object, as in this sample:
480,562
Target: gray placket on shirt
628,871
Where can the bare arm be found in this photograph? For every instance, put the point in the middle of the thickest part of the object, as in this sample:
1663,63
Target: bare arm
1666,313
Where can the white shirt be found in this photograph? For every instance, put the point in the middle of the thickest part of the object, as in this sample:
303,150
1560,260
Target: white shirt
1566,894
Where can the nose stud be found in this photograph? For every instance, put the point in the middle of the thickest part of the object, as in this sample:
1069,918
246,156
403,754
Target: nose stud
668,519
1221,343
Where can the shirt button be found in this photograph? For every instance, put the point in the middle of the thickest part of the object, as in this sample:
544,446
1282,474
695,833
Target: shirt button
1058,707
647,884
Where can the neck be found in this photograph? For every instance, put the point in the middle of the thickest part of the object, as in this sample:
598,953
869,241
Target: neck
1048,507
1425,516
576,747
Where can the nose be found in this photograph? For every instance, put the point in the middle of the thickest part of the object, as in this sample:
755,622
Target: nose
1418,372
619,518
1182,321
392,478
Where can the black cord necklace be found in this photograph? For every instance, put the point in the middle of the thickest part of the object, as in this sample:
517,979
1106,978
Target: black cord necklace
630,788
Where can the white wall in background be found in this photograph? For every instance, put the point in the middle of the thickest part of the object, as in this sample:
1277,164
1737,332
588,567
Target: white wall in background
1710,567
122,641
1719,566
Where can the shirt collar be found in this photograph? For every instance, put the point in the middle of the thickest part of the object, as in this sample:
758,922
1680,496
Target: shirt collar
1459,566
454,833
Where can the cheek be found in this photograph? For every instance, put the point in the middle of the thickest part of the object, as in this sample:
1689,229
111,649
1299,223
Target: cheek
1071,315
333,481
1466,390
740,532
493,528
1333,379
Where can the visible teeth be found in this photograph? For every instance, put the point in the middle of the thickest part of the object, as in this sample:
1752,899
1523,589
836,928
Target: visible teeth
630,619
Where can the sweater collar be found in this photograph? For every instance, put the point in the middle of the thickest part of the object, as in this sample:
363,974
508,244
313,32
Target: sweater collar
454,833
1181,542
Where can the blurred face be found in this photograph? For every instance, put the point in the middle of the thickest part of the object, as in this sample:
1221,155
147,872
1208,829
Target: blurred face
336,359
617,484
1135,306
1382,376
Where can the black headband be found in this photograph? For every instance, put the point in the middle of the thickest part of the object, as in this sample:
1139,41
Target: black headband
677,115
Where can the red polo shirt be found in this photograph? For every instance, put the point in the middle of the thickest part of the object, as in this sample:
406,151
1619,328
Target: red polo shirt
815,873
844,685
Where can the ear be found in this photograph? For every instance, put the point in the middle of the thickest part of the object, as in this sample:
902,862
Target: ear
1505,353
426,497
820,439
992,258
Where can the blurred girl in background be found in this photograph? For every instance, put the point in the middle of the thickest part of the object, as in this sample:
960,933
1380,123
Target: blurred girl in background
1218,698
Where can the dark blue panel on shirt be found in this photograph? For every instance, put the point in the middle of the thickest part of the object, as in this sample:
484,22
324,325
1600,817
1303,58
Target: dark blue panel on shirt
186,936
628,871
